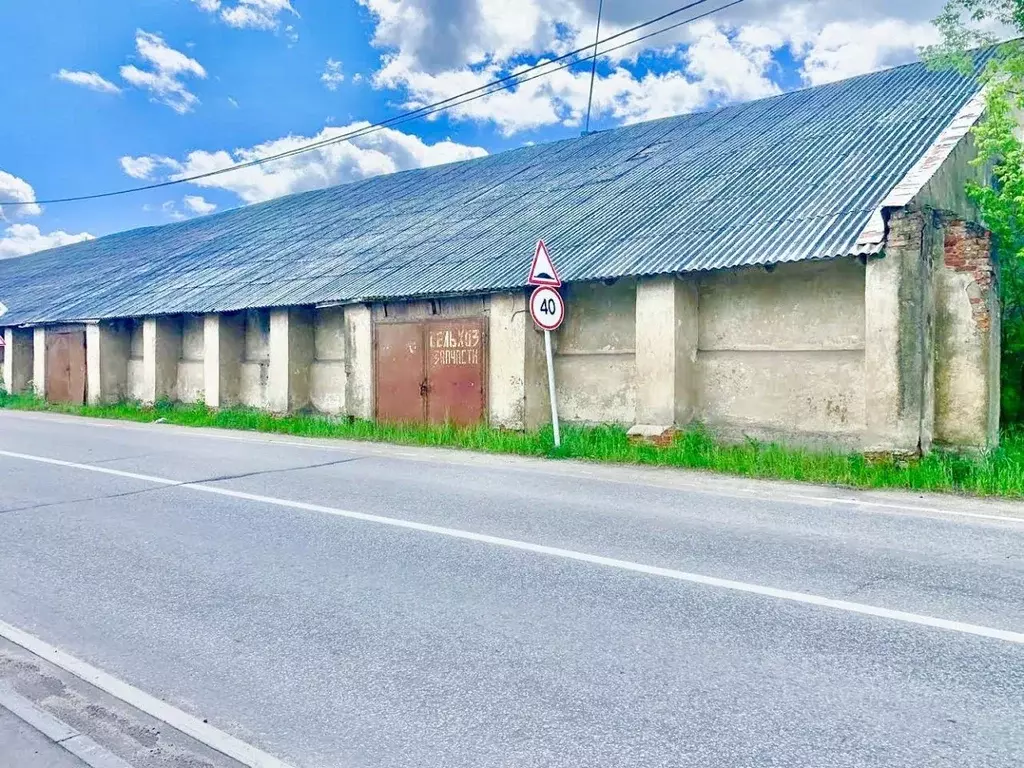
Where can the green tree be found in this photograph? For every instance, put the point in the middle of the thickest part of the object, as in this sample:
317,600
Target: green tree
966,26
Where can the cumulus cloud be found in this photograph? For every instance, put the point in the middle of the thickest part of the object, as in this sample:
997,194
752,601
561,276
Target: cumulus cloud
199,204
252,14
23,239
433,49
14,189
332,75
384,151
91,80
166,73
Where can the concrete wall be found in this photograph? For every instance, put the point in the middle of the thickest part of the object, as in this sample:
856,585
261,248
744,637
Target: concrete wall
782,352
255,359
108,349
595,354
191,386
136,379
18,360
517,369
328,376
945,191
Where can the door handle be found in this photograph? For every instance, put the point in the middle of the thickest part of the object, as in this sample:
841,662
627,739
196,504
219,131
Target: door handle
424,388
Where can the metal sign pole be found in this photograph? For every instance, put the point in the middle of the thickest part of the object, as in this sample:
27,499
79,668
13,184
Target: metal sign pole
551,389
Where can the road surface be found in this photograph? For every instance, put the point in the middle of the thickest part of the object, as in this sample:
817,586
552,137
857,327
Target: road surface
355,605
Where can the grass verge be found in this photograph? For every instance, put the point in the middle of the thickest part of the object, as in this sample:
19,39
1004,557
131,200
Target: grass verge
999,472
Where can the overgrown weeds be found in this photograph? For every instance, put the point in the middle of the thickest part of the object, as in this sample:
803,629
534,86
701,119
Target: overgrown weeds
999,472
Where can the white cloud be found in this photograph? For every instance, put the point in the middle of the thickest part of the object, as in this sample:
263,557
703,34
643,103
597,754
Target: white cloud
717,68
384,151
165,79
23,239
91,80
843,49
232,102
252,14
332,75
15,189
433,49
291,35
170,209
199,204
138,167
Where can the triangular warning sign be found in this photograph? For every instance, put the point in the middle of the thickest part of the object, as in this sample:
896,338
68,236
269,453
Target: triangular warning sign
543,271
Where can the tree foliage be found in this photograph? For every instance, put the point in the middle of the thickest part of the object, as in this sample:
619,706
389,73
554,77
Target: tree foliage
964,27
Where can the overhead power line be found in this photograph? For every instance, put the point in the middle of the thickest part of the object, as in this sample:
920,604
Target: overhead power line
505,83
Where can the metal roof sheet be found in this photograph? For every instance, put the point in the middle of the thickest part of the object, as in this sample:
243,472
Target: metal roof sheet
789,178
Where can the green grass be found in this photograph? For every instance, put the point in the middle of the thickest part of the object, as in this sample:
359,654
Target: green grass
999,472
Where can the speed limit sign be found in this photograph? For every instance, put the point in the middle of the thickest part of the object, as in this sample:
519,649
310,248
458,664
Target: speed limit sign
547,308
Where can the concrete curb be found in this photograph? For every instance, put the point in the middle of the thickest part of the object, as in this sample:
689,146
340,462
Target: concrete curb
61,734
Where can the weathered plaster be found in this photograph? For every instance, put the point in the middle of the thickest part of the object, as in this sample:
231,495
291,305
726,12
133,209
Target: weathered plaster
18,360
108,348
595,354
256,361
328,378
191,386
967,336
359,364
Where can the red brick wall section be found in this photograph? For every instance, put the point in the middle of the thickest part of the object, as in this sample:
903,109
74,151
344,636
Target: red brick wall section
968,249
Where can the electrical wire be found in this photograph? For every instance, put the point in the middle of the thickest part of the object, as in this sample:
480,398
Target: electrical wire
483,91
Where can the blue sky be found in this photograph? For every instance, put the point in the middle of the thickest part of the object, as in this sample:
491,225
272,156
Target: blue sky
127,92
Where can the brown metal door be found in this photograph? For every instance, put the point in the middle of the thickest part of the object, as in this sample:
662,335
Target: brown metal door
399,372
455,371
65,367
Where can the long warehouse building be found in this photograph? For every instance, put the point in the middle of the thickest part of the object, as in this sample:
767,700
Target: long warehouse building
804,268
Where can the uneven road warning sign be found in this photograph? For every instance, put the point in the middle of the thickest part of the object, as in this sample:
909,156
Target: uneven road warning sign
548,311
543,271
547,308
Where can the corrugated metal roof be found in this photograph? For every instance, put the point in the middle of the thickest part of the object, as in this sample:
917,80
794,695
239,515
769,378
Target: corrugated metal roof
789,178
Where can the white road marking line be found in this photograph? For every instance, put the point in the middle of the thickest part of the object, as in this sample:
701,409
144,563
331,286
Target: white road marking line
216,739
381,450
565,554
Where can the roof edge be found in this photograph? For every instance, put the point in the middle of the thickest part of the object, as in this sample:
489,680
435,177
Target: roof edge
923,170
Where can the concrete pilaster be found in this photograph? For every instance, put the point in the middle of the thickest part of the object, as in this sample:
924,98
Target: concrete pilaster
39,361
224,342
359,361
291,355
108,347
666,353
897,349
967,336
161,350
18,360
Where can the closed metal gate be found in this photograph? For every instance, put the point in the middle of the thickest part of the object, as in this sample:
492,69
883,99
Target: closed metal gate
65,367
432,371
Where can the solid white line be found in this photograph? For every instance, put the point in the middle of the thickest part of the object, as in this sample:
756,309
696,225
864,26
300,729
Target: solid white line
565,554
384,450
205,733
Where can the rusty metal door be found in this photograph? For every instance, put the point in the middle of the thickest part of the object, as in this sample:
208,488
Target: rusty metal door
400,390
65,367
432,371
455,371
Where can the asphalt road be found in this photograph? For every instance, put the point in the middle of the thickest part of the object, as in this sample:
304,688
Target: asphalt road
512,612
